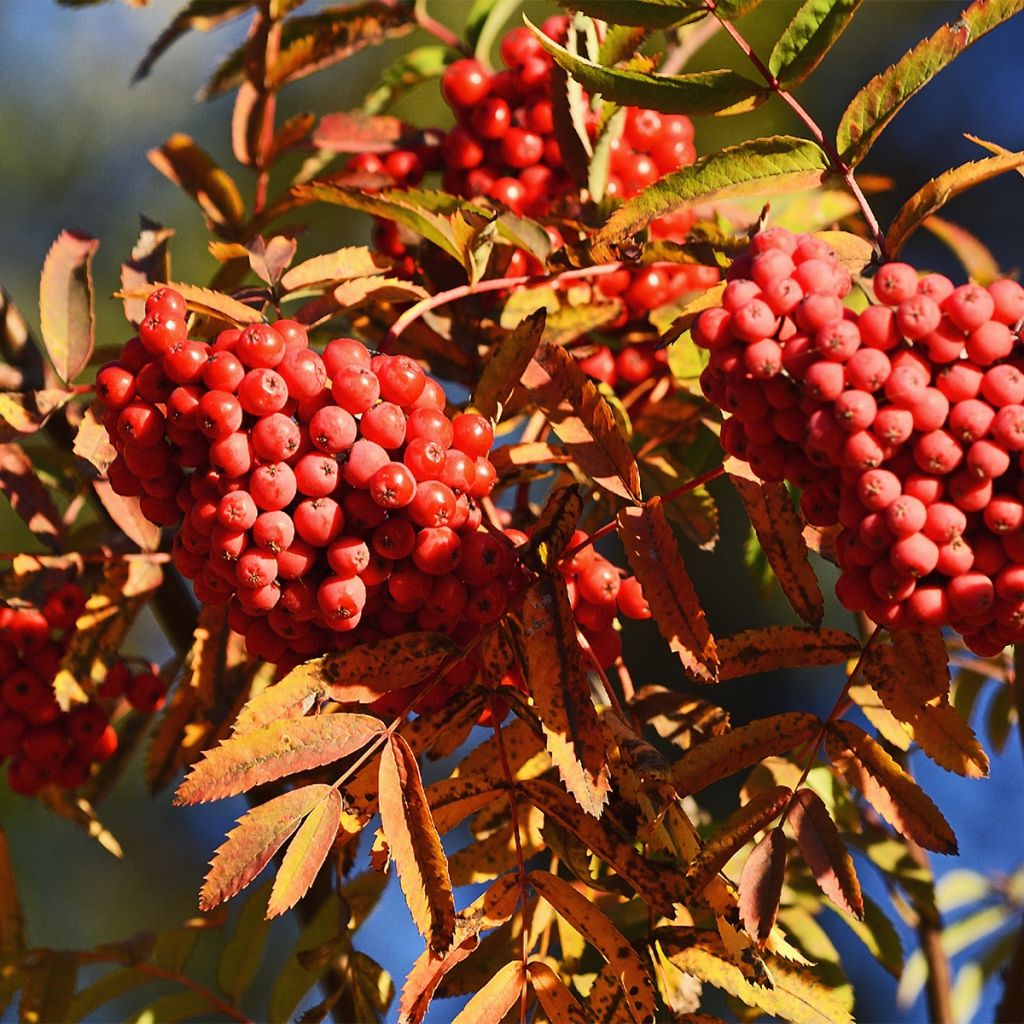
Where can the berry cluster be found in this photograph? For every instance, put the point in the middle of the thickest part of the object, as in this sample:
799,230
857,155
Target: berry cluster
44,744
903,423
318,494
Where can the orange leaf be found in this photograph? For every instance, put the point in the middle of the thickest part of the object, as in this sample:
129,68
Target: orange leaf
495,999
760,885
923,659
128,516
305,855
260,833
583,420
273,752
353,261
292,697
780,534
415,847
92,443
66,303
558,683
595,927
654,556
506,364
888,788
775,647
454,800
825,853
720,756
553,529
560,1005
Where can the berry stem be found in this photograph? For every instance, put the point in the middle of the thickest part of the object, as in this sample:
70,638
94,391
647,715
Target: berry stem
839,165
463,291
442,33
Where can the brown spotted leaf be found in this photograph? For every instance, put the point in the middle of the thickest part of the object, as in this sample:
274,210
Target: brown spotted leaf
825,853
595,927
780,534
259,834
558,684
415,847
655,558
306,854
506,365
275,751
451,801
28,496
888,788
560,1005
760,885
923,659
66,303
293,697
606,1002
583,420
775,647
553,529
720,756
490,1004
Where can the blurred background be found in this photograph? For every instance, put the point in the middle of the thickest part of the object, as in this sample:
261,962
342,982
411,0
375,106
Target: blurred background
73,138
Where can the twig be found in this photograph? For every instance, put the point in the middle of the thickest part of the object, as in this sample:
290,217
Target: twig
442,33
1011,1006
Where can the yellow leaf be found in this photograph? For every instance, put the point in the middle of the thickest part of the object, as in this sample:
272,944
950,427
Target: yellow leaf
495,999
561,1006
775,647
924,661
353,261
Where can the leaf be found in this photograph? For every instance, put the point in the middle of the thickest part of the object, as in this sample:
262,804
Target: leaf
260,833
655,558
883,97
760,887
557,681
80,813
595,927
204,301
775,647
506,364
19,350
651,14
12,925
243,952
305,855
825,853
92,443
405,73
484,23
66,316
490,1004
974,256
103,991
344,132
758,167
193,170
721,756
346,264
554,528
940,190
270,259
149,261
274,752
922,657
583,420
560,1005
49,987
127,516
779,532
808,37
888,788
28,496
703,92
415,846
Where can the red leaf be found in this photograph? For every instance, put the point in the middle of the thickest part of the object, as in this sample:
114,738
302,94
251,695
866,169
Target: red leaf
357,133
761,885
66,303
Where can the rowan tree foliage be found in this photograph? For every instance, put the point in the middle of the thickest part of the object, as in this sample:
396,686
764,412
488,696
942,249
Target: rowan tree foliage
363,490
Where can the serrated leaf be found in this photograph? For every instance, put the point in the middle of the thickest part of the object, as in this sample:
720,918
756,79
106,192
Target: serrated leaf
553,529
974,256
66,303
825,853
490,1004
779,531
306,854
243,952
415,847
775,647
704,92
923,659
260,833
557,680
655,558
877,933
721,756
759,167
506,364
595,927
273,752
560,1005
810,34
888,788
149,261
92,443
349,263
204,301
760,885
29,498
12,925
883,97
940,190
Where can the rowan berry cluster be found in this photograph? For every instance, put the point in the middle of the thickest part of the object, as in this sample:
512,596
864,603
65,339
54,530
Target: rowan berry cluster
904,423
45,744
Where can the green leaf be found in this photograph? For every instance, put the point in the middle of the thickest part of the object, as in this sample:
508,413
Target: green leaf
878,934
759,167
884,96
808,37
939,191
179,1006
651,14
243,953
419,65
703,92
105,990
66,303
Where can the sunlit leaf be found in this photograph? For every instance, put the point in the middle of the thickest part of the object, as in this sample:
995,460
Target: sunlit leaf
490,1004
349,263
150,261
775,647
28,496
505,367
206,302
974,256
808,37
66,303
554,528
306,854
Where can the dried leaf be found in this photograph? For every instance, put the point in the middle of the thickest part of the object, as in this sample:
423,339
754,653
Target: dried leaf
775,647
273,752
149,261
25,412
560,1005
924,660
48,987
506,365
888,788
260,833
720,756
583,420
415,846
306,854
495,999
558,683
344,132
974,256
760,887
270,259
92,443
825,853
66,303
553,529
453,800
654,556
28,496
